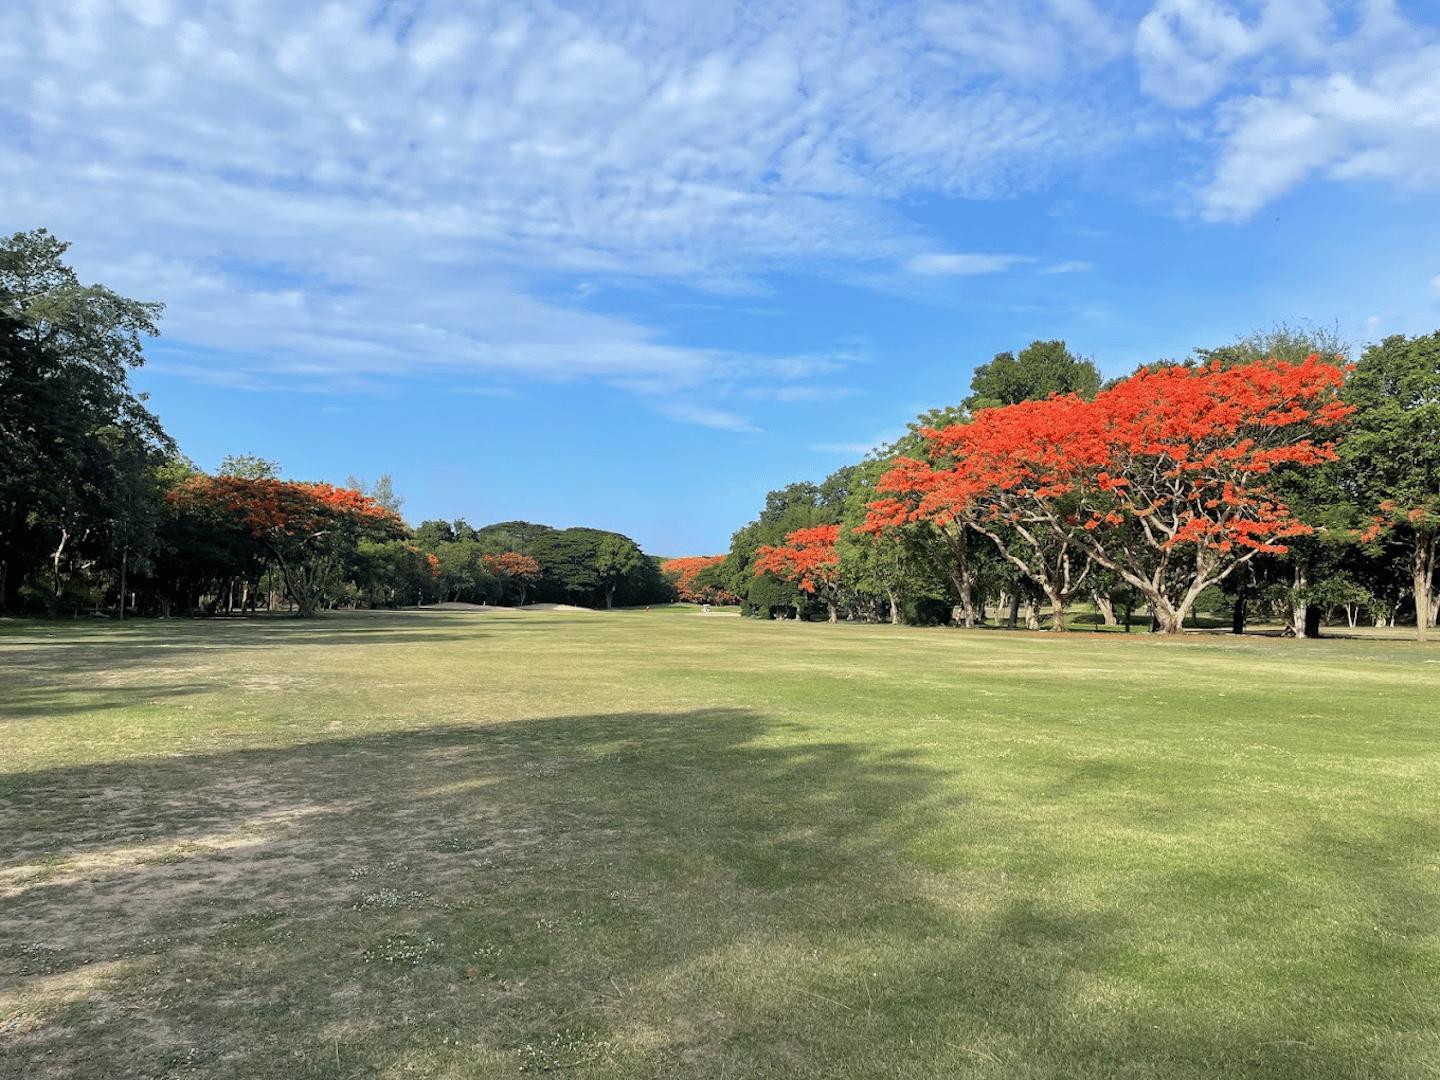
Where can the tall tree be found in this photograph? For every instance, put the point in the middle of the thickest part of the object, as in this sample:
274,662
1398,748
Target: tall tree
616,558
1392,456
809,558
1042,368
74,437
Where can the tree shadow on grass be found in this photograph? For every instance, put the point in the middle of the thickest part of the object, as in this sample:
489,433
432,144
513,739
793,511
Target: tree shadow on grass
699,893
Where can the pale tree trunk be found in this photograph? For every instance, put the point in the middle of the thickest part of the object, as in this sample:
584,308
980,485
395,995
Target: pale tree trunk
124,565
1057,611
1422,566
960,575
57,587
1002,602
833,615
1105,606
1297,605
1032,614
894,608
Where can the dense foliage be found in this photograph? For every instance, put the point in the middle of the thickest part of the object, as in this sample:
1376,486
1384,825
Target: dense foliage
1267,475
98,512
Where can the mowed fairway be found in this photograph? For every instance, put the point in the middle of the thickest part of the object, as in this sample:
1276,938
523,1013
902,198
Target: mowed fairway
631,844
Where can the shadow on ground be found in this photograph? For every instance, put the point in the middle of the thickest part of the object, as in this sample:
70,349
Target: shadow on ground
699,893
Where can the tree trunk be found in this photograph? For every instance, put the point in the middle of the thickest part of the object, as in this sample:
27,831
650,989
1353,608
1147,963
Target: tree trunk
1014,611
833,614
1296,621
1422,566
1032,614
124,565
56,586
609,597
1238,613
1057,613
1105,606
1313,620
894,609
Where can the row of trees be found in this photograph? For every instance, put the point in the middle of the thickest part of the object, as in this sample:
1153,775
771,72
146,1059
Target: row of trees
1271,476
99,511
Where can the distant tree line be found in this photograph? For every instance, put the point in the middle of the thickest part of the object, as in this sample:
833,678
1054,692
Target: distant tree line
1269,478
99,512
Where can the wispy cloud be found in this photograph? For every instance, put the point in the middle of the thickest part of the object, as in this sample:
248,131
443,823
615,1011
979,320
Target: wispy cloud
962,264
474,220
705,416
240,164
1071,266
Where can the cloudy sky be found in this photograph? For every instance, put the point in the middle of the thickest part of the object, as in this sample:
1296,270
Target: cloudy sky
633,264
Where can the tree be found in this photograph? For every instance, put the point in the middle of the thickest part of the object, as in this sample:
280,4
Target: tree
1042,368
302,526
616,558
511,566
1392,456
809,558
249,467
75,441
697,579
1161,479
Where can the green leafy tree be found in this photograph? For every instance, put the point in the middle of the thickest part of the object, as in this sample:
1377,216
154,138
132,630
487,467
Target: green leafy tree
1392,454
75,440
1040,369
616,558
248,467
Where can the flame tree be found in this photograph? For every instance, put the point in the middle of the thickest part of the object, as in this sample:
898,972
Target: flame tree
810,559
303,527
1162,479
695,579
512,566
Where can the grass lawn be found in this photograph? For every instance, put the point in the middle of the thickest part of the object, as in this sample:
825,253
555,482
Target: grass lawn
464,844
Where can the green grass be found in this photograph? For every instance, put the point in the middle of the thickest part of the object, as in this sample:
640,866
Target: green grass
472,845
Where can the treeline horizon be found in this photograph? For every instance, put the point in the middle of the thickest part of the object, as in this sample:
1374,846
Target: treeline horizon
1271,477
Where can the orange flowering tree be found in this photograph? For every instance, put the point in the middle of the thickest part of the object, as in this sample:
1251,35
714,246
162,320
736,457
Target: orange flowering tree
808,558
1163,479
304,527
693,578
512,566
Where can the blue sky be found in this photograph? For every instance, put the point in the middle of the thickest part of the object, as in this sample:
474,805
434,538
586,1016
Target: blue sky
632,265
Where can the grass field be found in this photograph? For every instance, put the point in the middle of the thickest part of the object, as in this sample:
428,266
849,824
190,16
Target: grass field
631,844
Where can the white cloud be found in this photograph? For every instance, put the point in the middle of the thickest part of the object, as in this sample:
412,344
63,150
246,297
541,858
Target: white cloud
1188,49
1340,89
1070,266
1032,40
324,189
1381,124
962,264
858,449
706,416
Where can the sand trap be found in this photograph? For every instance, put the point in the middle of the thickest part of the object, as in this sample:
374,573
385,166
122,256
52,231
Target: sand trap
457,605
556,607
